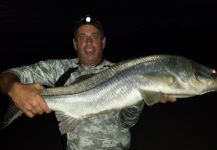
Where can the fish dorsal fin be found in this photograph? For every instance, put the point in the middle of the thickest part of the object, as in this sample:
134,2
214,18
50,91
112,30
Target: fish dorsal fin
66,122
151,97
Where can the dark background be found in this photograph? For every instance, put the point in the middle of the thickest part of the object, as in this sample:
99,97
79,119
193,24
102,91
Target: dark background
37,30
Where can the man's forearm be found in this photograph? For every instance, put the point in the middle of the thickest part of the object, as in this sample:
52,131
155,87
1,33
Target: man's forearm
25,96
7,80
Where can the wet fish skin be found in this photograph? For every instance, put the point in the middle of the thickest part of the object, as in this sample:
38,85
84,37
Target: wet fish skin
148,79
173,75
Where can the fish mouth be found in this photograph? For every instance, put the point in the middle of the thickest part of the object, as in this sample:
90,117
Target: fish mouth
214,89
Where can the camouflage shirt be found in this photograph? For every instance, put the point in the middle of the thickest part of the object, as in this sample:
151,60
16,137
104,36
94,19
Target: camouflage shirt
108,131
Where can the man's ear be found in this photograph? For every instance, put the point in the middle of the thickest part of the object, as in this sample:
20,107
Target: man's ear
75,44
104,42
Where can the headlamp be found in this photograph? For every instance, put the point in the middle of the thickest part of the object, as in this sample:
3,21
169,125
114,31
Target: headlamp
87,19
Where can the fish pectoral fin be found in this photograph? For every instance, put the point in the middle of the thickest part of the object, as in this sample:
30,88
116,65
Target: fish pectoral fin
66,122
151,97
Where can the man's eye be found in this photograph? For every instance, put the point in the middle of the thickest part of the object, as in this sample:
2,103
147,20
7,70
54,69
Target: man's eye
95,36
81,37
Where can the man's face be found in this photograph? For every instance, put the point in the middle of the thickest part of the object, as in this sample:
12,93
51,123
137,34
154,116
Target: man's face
89,44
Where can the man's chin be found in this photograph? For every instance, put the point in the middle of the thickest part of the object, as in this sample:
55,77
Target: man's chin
90,58
92,61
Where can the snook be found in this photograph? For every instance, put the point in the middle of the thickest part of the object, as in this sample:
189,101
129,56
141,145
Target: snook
126,84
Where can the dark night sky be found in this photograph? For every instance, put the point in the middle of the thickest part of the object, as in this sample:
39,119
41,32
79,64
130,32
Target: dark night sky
35,30
32,30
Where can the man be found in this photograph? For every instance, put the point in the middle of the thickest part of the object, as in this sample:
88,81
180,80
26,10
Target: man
109,131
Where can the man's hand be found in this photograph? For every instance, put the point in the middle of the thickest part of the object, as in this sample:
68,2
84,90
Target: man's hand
27,98
167,98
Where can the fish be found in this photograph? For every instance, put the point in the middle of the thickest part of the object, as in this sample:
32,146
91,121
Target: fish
125,84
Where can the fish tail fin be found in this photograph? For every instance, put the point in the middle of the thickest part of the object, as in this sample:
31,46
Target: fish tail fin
11,114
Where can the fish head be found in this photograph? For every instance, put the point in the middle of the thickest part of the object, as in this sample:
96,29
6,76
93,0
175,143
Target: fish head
183,77
204,79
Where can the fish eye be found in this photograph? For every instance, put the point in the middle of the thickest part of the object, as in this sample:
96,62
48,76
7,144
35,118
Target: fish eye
213,73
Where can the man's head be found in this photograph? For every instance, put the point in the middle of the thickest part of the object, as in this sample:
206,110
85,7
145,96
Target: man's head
89,41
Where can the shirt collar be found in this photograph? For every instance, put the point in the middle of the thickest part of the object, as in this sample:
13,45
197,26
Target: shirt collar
99,66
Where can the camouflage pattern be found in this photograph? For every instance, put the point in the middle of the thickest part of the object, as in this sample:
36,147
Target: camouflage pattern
108,131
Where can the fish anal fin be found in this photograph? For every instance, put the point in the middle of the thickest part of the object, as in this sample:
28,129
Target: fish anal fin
66,122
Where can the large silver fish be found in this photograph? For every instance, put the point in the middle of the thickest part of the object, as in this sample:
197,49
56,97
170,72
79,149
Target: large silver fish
126,84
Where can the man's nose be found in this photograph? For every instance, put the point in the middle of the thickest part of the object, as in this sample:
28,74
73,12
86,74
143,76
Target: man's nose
89,40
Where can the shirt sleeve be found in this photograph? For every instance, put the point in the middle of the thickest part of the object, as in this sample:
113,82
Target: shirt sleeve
128,117
43,72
